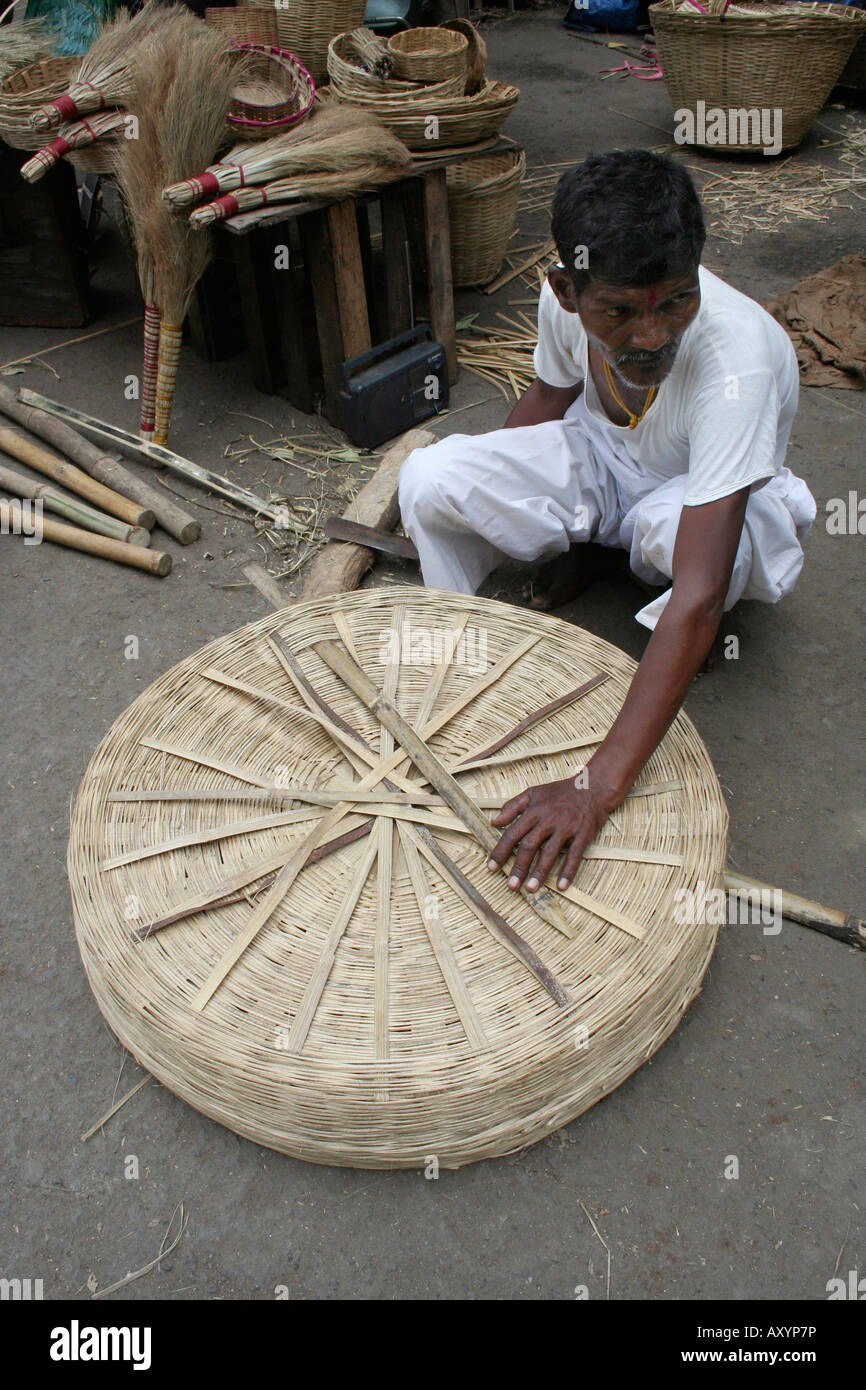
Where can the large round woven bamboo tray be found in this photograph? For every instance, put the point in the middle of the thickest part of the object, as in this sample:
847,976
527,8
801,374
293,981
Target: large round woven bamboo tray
759,54
372,1018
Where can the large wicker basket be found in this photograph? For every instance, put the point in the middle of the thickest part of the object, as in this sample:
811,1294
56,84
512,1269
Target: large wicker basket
440,123
760,54
244,23
306,27
24,91
482,208
429,55
370,1009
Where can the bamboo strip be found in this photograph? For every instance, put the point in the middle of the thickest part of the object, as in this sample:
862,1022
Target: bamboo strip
319,978
535,717
442,948
386,833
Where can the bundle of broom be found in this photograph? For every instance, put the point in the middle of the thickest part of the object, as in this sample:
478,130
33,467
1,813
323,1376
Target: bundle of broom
337,151
183,79
105,77
23,42
73,136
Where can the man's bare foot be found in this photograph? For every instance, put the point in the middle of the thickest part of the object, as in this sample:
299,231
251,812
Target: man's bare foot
560,580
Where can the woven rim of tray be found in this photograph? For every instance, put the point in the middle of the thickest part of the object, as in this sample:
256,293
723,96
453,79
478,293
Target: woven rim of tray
437,1091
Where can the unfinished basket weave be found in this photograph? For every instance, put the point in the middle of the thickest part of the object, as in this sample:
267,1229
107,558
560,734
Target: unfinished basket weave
429,55
24,91
769,54
363,1013
482,209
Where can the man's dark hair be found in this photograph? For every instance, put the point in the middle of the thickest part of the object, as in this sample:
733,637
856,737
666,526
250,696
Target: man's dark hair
636,213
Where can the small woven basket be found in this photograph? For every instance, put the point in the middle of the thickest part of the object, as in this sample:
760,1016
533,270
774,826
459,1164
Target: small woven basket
244,23
770,55
482,209
351,79
24,91
429,55
477,57
306,27
276,92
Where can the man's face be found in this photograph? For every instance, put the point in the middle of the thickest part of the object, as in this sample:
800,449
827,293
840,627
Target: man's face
636,330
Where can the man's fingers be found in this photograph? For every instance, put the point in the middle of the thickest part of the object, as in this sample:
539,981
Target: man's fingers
512,808
546,860
571,863
502,850
526,852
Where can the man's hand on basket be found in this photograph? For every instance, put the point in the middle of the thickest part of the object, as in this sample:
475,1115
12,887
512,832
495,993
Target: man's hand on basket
542,821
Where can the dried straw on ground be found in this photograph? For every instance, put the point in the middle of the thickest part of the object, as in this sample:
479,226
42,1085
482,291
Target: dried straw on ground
182,89
362,1010
105,77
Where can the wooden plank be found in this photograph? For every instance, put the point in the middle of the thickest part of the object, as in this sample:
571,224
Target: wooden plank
341,565
439,282
348,271
395,254
318,258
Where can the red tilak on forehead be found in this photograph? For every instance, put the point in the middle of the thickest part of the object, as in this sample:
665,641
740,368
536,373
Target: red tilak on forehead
653,297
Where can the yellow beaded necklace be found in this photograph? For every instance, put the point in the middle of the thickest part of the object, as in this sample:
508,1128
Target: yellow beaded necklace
633,419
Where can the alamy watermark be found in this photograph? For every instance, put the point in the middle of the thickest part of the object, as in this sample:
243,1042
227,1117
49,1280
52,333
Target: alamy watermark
714,907
425,646
752,127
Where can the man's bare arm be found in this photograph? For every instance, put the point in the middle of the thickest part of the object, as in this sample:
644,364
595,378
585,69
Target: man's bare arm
550,817
540,403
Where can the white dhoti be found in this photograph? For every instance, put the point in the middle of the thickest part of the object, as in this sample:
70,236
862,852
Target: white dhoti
470,502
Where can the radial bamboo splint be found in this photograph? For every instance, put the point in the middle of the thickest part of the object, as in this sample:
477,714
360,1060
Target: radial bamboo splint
285,912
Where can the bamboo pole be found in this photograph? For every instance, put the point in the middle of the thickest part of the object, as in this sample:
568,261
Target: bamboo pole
105,469
843,926
155,454
71,508
154,561
62,472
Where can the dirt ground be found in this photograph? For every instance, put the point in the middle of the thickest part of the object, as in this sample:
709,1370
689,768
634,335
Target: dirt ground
765,1067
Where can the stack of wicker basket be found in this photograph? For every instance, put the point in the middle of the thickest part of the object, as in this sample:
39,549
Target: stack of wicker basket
306,27
431,88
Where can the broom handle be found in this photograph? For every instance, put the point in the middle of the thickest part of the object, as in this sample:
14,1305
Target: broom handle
66,473
149,369
73,509
170,335
105,469
844,926
154,561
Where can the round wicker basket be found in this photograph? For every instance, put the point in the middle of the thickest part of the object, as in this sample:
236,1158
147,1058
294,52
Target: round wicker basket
429,55
24,91
364,1012
306,27
758,55
351,81
276,91
440,122
482,209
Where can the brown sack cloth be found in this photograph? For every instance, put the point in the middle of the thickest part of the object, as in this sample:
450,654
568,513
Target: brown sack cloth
825,316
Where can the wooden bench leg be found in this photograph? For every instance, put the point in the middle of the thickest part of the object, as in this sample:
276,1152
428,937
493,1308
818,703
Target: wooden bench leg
395,253
254,266
439,283
332,253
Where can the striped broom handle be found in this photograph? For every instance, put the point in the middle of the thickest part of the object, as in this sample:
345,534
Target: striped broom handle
169,354
149,370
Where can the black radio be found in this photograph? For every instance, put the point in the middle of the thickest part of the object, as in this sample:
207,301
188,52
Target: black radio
393,387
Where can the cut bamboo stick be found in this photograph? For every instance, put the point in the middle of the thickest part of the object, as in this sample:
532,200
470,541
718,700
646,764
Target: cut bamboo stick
66,473
155,454
74,510
105,469
843,926
136,556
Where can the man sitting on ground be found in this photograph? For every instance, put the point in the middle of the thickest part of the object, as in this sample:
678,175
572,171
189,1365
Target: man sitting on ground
658,423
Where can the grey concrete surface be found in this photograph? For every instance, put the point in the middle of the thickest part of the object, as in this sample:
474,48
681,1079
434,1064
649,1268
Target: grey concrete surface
767,1066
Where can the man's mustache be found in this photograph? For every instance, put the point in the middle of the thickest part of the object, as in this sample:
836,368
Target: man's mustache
647,359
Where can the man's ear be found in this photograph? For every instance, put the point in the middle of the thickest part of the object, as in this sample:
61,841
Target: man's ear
561,283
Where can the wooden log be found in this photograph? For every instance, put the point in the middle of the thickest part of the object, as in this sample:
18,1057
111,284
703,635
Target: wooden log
104,468
57,468
154,561
341,566
843,926
74,510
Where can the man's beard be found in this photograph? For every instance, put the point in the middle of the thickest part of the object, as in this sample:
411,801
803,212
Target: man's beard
660,362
